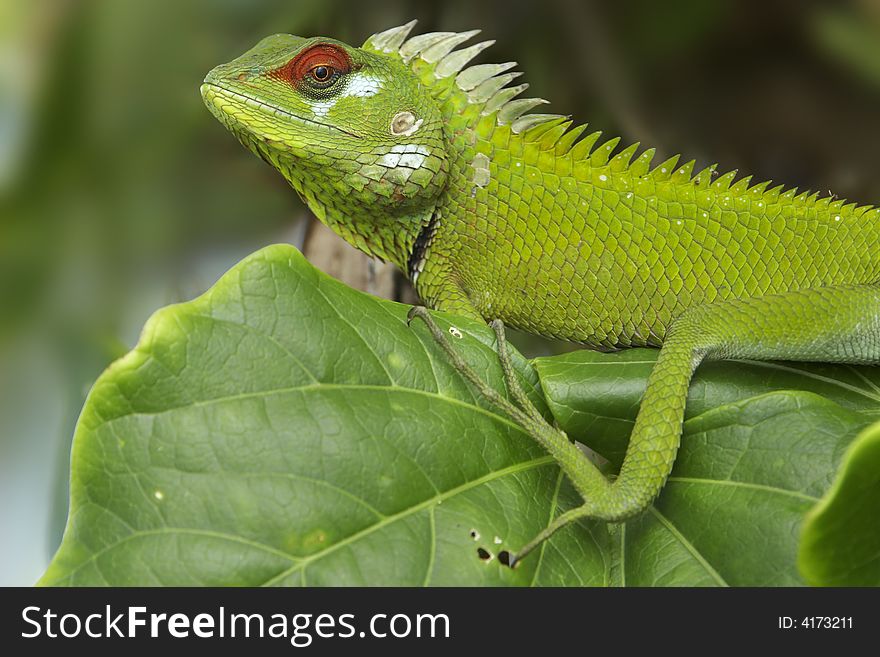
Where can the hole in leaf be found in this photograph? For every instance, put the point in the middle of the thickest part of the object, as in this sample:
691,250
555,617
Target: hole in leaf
475,534
504,557
485,555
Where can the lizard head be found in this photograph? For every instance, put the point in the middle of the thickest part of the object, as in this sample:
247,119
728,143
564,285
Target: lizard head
380,140
351,129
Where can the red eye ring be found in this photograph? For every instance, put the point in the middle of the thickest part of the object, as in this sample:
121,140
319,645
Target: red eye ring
317,65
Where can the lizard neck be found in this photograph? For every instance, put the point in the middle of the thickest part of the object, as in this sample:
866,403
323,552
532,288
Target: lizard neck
388,236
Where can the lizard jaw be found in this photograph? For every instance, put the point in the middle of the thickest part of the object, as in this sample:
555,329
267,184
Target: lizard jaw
214,93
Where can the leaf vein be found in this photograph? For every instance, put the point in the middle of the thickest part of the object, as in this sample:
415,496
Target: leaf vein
491,476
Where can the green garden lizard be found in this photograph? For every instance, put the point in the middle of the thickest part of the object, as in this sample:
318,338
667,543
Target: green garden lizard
499,214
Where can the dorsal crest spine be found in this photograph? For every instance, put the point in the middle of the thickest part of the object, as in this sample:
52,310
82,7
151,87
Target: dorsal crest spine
486,87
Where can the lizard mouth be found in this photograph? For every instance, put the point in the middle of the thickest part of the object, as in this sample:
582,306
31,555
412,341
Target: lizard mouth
268,108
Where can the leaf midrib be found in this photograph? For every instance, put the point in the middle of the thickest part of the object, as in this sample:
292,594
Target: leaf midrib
427,503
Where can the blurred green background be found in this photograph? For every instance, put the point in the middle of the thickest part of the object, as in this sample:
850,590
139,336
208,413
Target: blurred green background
119,193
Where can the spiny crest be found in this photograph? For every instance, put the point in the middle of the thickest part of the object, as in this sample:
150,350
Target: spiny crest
487,84
484,84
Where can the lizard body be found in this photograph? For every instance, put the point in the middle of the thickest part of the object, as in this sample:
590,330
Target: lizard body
499,214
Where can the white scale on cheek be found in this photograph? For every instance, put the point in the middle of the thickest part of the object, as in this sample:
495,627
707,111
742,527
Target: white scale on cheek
320,108
411,156
363,85
359,84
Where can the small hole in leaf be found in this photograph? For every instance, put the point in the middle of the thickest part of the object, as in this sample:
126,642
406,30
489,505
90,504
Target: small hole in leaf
475,534
485,555
504,557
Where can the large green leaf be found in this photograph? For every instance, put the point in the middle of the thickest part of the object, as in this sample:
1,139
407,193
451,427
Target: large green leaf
284,429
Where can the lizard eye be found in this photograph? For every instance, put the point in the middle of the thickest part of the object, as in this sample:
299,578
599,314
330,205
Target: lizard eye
321,73
316,68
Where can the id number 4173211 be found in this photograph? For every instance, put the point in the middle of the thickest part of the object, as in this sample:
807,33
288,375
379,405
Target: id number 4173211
816,623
